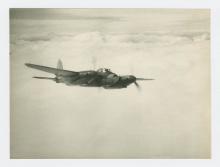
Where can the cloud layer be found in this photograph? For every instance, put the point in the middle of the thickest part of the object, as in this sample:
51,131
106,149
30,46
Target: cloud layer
169,118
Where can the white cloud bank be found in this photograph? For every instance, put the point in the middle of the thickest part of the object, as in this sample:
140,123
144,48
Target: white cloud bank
169,118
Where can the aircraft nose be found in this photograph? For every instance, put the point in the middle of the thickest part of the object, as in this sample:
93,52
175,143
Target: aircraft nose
129,78
132,78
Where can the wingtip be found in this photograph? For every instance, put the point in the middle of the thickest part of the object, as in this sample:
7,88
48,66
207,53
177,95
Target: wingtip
27,64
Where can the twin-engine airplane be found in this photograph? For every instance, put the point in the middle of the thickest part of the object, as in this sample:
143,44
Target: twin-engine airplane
93,78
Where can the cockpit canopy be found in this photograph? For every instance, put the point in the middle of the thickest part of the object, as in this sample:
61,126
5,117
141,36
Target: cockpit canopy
104,70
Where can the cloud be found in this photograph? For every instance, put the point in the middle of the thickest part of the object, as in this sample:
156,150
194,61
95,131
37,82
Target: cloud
132,38
37,39
52,14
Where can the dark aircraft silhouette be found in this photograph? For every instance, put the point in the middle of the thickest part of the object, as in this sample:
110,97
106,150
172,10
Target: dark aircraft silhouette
93,78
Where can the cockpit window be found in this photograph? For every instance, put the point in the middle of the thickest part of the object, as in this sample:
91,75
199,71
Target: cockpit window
104,70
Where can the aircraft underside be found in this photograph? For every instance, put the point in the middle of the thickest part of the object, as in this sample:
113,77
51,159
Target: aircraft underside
95,83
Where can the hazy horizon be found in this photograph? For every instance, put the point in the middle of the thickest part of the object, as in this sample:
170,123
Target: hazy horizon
169,118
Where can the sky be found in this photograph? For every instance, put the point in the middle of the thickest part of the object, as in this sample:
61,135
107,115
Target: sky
169,118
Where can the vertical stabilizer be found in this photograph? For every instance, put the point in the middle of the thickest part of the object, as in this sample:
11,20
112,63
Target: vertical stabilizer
59,65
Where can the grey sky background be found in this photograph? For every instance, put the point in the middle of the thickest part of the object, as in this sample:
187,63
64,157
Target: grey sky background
169,118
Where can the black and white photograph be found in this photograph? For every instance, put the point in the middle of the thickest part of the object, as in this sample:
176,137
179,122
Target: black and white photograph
110,83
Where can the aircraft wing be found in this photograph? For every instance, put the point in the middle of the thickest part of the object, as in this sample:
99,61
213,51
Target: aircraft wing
52,70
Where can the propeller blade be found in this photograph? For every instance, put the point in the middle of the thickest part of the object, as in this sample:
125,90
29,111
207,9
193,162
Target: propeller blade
138,86
143,79
94,62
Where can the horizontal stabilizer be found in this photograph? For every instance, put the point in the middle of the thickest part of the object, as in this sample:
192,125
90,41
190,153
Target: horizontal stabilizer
45,78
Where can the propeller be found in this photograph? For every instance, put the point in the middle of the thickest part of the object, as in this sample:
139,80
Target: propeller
94,62
137,86
137,79
140,79
143,79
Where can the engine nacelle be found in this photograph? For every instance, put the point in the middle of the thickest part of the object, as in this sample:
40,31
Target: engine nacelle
111,79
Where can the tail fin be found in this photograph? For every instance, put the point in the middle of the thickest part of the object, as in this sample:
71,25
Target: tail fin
59,65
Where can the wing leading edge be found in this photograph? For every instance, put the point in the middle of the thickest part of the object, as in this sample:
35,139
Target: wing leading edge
52,70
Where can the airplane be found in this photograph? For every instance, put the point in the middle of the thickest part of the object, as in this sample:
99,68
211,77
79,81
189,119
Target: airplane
102,77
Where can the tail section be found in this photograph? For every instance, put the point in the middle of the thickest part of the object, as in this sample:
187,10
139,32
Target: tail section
59,65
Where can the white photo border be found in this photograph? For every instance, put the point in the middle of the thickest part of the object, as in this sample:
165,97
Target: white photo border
5,84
